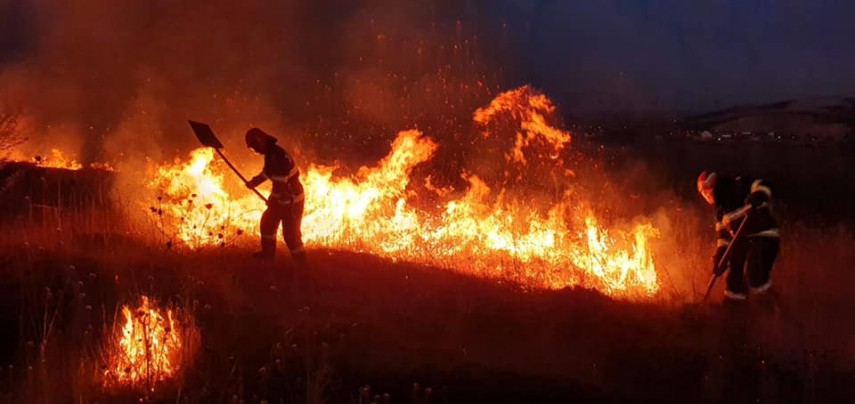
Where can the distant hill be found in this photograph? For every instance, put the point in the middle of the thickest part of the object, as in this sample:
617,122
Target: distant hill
830,118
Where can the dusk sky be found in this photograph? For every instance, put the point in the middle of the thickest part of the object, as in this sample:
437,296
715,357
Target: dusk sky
605,55
687,55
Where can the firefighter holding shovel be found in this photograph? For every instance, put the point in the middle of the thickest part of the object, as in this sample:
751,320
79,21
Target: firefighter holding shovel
748,234
285,203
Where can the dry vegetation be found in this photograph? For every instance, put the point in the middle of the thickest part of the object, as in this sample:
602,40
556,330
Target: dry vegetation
360,329
10,135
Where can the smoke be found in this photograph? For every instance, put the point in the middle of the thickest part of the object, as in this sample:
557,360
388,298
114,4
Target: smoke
120,79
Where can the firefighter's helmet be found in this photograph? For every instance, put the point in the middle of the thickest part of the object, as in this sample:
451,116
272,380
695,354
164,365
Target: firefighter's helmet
258,139
706,184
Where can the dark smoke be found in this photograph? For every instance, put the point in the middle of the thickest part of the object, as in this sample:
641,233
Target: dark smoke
123,77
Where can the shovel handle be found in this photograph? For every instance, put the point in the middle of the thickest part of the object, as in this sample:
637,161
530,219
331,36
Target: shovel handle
710,285
725,256
229,163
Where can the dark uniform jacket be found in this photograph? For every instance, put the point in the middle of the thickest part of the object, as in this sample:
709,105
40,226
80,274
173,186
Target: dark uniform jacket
735,198
280,168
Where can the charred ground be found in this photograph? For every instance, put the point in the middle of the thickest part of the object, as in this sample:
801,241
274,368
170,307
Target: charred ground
273,333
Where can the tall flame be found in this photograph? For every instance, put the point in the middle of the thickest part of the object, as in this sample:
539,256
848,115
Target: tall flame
481,230
150,347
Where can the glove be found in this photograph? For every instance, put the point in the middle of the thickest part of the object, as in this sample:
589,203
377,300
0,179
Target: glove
718,270
254,182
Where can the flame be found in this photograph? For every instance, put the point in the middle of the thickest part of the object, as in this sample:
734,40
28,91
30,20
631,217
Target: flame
193,201
150,347
529,108
58,159
484,230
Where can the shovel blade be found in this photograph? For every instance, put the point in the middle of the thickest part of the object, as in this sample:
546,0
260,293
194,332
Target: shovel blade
205,135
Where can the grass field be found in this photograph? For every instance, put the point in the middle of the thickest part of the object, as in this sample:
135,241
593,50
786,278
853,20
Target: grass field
355,328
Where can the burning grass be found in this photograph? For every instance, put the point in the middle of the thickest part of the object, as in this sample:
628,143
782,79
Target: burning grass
149,346
355,319
58,159
373,313
513,226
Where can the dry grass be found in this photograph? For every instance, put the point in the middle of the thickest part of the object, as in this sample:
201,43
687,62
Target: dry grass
10,132
268,334
275,334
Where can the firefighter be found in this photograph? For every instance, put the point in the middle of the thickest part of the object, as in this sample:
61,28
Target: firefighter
737,199
285,203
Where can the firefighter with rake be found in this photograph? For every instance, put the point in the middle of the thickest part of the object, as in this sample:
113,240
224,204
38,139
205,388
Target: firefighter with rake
748,238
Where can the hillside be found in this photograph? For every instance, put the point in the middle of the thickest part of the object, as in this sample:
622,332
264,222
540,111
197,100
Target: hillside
831,118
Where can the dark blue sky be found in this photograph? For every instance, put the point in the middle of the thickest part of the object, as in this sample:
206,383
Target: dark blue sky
684,54
591,56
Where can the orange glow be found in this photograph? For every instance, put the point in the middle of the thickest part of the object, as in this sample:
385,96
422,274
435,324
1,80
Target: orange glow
57,159
195,206
150,347
529,108
485,230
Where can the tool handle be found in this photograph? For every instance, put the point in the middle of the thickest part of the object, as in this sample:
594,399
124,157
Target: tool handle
229,163
725,256
710,285
736,237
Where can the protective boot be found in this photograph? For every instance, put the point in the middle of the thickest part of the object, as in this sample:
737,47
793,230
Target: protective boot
268,250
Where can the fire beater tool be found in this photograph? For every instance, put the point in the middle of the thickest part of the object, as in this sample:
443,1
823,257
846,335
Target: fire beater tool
207,138
725,256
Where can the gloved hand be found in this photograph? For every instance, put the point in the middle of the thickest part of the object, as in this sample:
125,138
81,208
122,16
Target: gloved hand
719,270
254,182
716,258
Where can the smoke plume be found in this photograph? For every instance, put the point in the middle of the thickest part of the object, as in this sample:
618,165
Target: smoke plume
109,79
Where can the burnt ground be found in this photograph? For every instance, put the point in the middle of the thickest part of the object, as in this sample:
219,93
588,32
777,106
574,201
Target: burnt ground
350,321
278,333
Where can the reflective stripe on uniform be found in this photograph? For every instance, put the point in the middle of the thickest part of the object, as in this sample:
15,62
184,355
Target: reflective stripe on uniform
767,233
286,201
762,288
757,186
269,236
734,296
285,178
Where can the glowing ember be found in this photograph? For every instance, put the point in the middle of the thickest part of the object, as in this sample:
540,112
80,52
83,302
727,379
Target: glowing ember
150,348
484,230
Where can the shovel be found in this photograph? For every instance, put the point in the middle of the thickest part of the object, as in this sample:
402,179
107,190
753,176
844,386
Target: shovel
207,138
724,257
